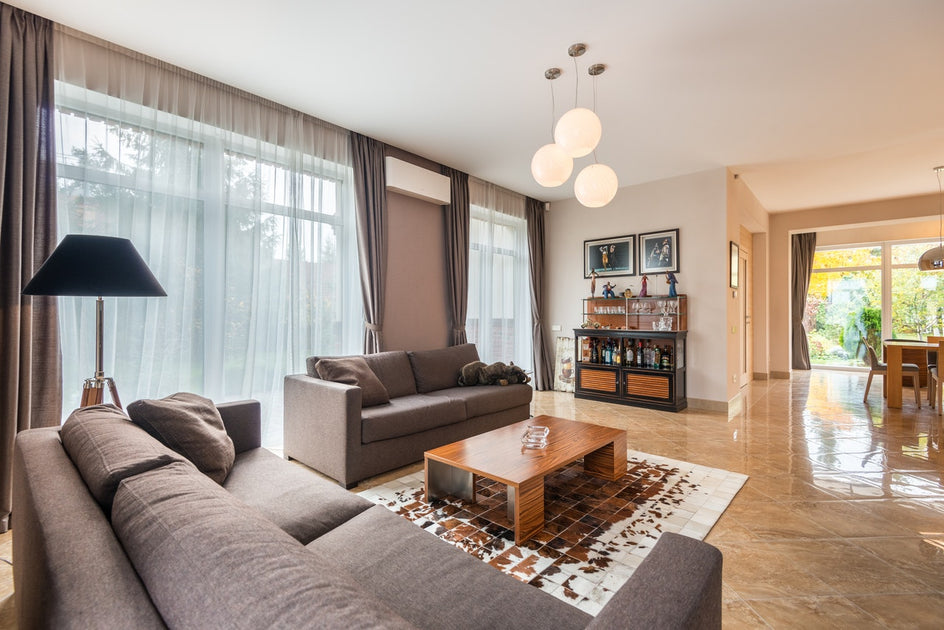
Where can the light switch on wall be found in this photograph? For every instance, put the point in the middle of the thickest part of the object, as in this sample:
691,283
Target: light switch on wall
556,328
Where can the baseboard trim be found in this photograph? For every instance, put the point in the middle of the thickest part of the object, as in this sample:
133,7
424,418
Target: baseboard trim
702,404
784,375
760,376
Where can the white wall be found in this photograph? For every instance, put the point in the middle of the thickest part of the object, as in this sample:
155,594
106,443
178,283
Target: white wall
697,205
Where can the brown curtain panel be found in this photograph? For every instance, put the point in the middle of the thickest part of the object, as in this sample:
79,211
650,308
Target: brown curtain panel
457,252
370,185
543,370
30,376
804,247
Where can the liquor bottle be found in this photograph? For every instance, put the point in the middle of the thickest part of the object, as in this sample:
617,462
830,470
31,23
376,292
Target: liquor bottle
618,353
607,352
667,358
640,355
594,351
647,353
657,357
629,361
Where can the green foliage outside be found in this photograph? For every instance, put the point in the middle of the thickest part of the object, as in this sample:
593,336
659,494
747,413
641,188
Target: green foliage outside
844,307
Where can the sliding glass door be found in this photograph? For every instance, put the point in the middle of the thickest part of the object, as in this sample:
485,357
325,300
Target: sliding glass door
865,293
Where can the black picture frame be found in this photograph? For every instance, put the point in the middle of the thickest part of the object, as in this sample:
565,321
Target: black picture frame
734,256
609,257
659,252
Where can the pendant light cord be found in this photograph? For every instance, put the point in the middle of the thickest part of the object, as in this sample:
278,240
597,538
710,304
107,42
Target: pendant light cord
940,214
576,81
553,110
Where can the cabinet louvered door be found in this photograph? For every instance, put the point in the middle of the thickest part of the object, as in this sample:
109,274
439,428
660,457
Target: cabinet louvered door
599,380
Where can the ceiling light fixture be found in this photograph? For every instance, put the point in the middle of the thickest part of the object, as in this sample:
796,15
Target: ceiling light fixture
933,259
576,134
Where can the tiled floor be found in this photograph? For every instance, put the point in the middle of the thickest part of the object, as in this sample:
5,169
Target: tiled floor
841,523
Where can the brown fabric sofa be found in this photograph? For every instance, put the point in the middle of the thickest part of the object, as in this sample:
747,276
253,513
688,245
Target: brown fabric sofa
277,546
327,428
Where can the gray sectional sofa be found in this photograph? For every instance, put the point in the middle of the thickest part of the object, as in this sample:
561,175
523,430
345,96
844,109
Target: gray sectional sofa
119,531
328,428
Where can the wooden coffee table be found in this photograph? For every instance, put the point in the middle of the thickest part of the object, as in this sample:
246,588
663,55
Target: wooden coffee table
499,455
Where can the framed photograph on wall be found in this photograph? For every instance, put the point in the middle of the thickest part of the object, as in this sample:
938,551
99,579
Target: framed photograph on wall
658,252
735,254
613,256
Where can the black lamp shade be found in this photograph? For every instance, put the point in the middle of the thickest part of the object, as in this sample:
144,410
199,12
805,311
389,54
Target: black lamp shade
86,264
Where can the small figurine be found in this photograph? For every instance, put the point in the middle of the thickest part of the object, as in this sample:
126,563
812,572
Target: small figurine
643,292
608,290
593,283
628,293
671,280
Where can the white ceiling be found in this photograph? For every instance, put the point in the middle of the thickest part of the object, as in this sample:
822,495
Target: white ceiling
813,102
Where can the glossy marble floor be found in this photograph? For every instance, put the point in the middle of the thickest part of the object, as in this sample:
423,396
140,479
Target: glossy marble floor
841,523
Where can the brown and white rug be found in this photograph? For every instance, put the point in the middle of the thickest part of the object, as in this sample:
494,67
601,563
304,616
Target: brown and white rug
596,532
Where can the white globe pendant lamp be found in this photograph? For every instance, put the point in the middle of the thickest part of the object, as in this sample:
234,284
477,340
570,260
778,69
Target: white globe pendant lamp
596,186
578,132
551,166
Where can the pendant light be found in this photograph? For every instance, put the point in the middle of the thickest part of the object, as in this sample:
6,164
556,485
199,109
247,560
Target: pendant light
933,259
578,131
576,134
551,166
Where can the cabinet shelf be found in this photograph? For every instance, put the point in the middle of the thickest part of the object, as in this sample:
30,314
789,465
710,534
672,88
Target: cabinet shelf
656,313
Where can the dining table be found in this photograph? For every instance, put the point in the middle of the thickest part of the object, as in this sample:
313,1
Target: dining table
893,348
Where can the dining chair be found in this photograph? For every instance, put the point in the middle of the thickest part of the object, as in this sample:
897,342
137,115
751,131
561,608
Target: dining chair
934,379
909,370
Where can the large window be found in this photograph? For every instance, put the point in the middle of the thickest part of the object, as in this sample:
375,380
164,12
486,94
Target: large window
499,312
867,293
250,233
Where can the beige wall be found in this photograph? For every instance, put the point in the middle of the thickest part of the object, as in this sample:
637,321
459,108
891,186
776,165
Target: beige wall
416,313
416,310
746,214
696,204
891,219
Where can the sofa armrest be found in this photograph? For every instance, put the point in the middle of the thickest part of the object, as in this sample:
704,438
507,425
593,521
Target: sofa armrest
678,585
322,424
243,422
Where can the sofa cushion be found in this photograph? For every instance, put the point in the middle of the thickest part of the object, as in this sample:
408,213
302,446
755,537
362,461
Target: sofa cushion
210,561
394,371
192,426
439,369
106,447
391,367
480,401
390,547
408,415
297,500
355,371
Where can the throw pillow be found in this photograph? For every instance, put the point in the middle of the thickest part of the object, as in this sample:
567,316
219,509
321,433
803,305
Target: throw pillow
355,371
190,425
106,447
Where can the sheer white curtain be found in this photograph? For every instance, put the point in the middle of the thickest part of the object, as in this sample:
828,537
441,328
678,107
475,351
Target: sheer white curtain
242,208
499,315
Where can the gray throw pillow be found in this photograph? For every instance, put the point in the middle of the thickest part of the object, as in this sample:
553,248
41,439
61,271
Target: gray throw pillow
439,369
355,371
192,426
106,447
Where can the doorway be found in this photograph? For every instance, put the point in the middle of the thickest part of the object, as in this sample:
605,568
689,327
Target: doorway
745,315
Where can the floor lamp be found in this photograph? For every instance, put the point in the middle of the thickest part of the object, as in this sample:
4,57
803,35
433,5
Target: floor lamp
90,265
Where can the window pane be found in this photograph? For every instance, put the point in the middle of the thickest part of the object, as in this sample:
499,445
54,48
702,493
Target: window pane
908,253
851,257
842,309
917,303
